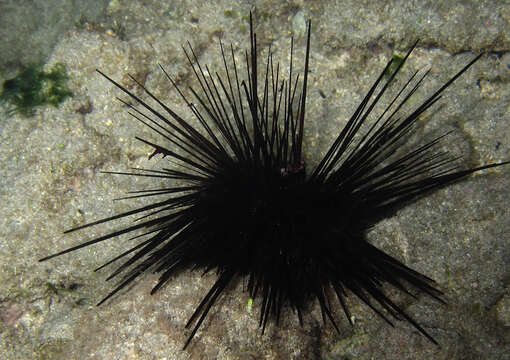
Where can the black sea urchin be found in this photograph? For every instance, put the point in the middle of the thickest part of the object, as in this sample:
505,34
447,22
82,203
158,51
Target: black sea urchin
250,209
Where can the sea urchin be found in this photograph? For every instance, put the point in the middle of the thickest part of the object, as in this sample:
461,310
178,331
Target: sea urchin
251,210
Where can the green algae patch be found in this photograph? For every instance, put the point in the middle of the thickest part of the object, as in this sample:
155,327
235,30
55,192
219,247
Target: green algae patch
397,61
33,87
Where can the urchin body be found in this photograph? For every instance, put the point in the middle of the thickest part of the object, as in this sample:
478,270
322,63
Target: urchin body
250,209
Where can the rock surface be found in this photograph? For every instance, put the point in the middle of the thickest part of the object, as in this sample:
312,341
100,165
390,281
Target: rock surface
51,181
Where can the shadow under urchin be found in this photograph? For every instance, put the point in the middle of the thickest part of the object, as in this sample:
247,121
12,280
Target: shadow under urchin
250,209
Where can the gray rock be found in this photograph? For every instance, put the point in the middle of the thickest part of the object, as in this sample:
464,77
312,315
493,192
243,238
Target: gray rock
50,181
30,29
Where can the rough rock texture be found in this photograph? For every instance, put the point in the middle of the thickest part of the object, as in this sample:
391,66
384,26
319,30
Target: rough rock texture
30,29
50,181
